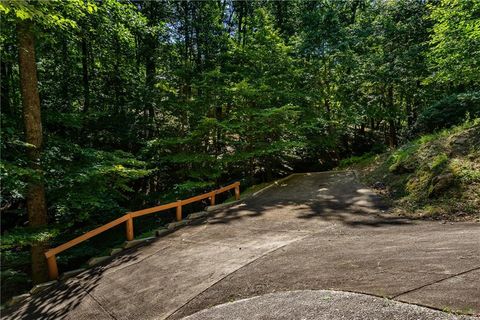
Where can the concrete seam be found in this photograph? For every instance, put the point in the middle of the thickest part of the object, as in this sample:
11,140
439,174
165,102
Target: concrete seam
435,282
337,291
101,306
231,273
137,262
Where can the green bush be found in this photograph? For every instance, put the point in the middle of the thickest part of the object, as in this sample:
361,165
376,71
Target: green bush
357,160
448,112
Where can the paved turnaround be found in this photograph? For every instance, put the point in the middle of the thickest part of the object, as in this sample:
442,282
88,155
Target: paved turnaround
318,231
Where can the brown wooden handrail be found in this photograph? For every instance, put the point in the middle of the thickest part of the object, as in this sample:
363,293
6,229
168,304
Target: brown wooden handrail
128,219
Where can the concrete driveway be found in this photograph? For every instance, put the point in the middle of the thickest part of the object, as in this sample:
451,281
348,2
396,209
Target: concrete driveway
313,231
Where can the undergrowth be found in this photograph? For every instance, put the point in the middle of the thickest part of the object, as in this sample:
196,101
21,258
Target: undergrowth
436,176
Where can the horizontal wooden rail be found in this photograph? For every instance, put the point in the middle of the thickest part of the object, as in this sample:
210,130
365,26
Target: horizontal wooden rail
143,212
128,219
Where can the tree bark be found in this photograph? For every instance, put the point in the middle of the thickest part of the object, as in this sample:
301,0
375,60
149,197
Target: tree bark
85,80
5,87
392,133
66,78
36,204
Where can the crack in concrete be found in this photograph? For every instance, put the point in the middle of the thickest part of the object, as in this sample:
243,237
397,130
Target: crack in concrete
435,282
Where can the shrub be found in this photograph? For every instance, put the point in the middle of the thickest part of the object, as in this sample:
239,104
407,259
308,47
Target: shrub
448,112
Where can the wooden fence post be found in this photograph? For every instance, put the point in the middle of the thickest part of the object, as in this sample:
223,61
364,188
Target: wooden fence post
179,210
50,255
237,192
52,267
212,198
129,225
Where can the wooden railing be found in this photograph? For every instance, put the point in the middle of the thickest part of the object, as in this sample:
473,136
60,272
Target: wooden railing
128,219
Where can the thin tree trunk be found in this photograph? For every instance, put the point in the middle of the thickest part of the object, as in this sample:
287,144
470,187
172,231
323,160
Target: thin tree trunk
392,133
36,204
86,81
5,87
66,79
150,70
327,108
409,112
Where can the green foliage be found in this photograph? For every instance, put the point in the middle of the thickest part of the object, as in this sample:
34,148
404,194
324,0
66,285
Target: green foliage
75,171
14,282
23,237
438,162
448,112
403,159
454,53
53,13
357,160
434,176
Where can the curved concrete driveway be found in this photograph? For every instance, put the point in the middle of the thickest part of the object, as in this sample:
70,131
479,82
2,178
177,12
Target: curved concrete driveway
311,231
319,305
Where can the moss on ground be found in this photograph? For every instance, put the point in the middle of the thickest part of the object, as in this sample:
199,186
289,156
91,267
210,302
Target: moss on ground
248,191
436,176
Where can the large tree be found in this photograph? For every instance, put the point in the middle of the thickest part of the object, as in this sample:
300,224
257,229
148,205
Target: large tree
36,203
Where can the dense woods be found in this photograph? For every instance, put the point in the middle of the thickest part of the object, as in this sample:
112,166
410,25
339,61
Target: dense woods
109,106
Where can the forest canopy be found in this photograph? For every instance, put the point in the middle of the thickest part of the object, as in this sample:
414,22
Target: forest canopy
141,102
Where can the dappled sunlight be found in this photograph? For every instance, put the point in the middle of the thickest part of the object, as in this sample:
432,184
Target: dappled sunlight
300,206
325,197
332,202
364,191
59,301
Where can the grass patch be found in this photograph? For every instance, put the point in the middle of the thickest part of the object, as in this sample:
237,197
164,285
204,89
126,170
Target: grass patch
357,160
250,190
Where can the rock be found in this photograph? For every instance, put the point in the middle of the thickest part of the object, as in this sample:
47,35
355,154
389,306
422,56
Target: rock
115,251
42,286
224,205
443,179
96,260
401,168
133,243
197,215
17,299
177,224
162,232
72,273
460,140
379,185
441,183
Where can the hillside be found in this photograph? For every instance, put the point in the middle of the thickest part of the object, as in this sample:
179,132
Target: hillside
436,176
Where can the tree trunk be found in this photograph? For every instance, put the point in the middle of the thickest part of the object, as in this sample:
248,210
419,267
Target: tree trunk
392,133
327,108
65,87
5,87
85,80
36,205
150,71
